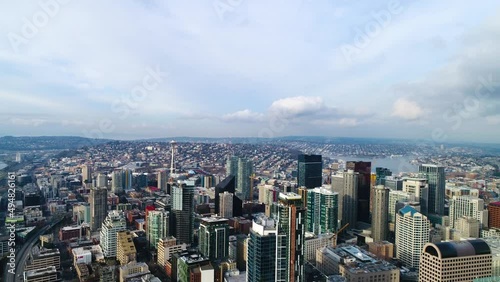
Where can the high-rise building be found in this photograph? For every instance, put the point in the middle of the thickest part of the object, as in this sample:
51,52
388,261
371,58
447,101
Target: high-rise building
455,261
468,227
380,220
291,228
338,187
114,223
162,178
394,182
232,166
86,174
226,204
101,180
396,197
81,213
214,238
157,226
98,201
262,250
310,171
469,206
420,188
381,173
41,258
127,180
244,183
126,251
350,199
494,215
166,248
228,185
437,183
117,182
183,212
322,209
364,188
412,233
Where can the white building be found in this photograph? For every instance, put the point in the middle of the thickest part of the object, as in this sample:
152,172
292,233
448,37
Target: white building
412,233
226,205
468,206
394,198
420,188
114,222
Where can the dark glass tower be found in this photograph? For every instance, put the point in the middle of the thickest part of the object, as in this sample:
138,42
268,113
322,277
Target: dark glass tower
309,171
364,186
381,173
183,213
262,250
437,185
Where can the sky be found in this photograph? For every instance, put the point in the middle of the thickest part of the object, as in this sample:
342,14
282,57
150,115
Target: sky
134,69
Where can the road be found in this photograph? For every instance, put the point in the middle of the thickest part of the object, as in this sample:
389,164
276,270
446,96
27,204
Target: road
22,254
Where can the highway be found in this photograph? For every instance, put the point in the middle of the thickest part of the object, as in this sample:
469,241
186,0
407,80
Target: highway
22,254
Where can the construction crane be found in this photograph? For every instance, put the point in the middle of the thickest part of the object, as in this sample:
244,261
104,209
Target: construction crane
336,236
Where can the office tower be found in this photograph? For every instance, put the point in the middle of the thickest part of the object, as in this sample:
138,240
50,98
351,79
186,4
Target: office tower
183,212
381,173
214,238
117,182
338,187
87,174
126,251
494,215
468,206
81,213
157,226
380,213
41,258
167,247
364,187
412,233
244,184
420,188
437,183
228,185
226,204
262,250
114,223
162,179
191,268
291,228
349,199
310,171
232,166
468,227
101,180
396,197
127,179
98,200
455,261
322,209
394,183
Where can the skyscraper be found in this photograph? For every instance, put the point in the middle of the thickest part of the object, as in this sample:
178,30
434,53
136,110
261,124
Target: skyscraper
244,183
290,244
364,187
101,181
396,197
412,233
380,213
349,198
117,182
98,200
420,188
322,209
469,206
310,171
226,204
115,222
157,226
228,185
381,174
183,212
437,183
87,174
162,178
262,250
494,215
455,261
232,166
214,238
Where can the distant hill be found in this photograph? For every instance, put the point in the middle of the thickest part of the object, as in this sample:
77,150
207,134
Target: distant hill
26,143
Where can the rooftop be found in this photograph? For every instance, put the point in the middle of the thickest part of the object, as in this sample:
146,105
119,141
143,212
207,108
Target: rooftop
445,250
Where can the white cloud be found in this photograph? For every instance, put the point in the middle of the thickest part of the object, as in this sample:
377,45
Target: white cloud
406,109
243,116
297,106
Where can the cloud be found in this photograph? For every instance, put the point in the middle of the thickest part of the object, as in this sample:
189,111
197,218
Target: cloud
298,106
406,109
243,116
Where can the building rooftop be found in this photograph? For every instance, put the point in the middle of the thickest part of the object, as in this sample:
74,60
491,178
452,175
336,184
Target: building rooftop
445,250
214,219
41,271
357,260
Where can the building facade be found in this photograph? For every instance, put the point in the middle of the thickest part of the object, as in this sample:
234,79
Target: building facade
412,233
114,223
322,209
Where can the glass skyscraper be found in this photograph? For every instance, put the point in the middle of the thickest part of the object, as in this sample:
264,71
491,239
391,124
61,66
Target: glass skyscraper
310,171
437,185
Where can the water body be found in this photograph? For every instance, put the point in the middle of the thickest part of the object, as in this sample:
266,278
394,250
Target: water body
396,164
2,165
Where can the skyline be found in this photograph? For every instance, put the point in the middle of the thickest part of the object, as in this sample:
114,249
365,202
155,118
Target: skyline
251,69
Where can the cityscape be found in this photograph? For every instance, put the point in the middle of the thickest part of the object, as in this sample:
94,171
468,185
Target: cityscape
249,141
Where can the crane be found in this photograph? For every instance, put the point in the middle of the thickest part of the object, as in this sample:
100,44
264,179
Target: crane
336,236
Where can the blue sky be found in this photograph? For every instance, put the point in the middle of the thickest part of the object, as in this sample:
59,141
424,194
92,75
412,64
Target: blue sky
234,68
